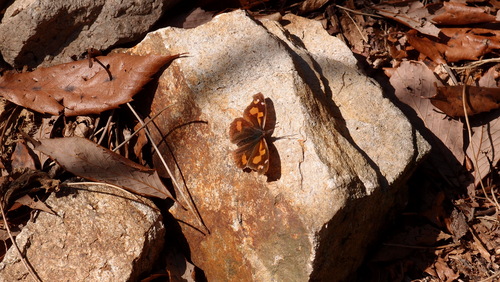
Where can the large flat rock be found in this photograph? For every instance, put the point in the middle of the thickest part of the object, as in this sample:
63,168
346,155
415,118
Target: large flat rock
332,183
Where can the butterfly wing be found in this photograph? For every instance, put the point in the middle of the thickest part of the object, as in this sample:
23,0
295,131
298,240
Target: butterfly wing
253,155
248,133
259,159
256,112
243,154
242,131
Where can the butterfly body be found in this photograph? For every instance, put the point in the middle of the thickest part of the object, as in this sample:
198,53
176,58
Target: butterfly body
249,134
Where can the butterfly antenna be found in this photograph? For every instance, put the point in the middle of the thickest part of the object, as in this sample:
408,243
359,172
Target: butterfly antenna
272,139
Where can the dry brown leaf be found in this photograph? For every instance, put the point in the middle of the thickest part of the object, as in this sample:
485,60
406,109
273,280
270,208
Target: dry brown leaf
22,157
456,44
412,14
353,31
396,42
454,13
140,142
478,100
311,5
89,160
444,272
412,81
489,79
26,200
470,43
25,181
482,148
415,15
75,89
433,50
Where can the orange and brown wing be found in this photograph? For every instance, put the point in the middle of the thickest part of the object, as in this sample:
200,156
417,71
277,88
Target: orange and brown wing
248,133
254,156
242,131
256,112
259,159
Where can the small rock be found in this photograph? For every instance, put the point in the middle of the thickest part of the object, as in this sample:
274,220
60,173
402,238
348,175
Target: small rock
99,234
38,32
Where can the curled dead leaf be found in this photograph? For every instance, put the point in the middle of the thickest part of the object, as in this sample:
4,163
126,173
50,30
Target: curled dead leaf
456,44
28,201
432,49
86,159
477,100
455,13
410,13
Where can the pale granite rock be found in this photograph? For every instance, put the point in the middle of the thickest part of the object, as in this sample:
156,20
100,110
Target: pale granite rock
331,186
99,234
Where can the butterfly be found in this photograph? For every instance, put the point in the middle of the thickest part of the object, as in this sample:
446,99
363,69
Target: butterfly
249,134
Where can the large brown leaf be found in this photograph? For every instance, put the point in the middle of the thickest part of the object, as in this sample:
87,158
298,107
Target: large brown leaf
482,148
86,159
412,82
430,48
456,44
477,100
454,13
77,89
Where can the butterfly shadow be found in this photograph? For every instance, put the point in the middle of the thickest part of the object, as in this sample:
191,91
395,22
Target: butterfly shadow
274,171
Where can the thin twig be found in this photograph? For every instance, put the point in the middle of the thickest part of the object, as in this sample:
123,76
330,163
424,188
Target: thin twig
491,277
14,243
357,27
420,247
174,181
96,133
450,73
480,245
493,195
84,183
4,129
106,127
477,64
140,128
89,183
105,68
358,12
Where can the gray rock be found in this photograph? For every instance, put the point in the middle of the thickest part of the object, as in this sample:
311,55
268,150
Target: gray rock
38,32
99,234
331,186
